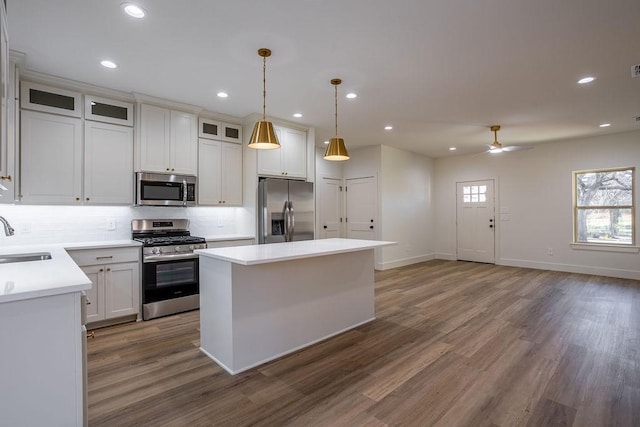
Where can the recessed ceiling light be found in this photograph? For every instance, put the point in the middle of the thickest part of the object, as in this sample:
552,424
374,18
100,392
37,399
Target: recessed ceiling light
452,148
605,125
352,95
133,10
586,80
326,143
388,127
297,115
223,95
108,64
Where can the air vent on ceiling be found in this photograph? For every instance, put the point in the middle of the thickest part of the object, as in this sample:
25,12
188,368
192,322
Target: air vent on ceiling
635,70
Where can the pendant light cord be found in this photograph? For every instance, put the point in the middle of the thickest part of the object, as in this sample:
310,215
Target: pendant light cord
336,99
264,88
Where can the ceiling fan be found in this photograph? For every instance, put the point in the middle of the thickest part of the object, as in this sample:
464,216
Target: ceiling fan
497,147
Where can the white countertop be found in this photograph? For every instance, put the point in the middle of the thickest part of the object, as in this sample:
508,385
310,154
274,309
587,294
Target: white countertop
223,237
274,252
58,275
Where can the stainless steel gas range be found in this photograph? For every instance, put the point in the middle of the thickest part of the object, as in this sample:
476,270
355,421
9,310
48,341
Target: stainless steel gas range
169,266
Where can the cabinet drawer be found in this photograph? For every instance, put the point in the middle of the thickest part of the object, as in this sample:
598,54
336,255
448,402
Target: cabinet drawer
228,243
104,256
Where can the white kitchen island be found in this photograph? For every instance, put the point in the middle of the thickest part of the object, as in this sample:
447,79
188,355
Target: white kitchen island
260,302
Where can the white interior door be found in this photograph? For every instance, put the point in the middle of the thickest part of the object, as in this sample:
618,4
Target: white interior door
330,205
362,208
475,221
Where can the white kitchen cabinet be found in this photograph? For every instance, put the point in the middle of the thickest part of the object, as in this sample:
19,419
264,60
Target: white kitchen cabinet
51,159
41,362
115,278
221,131
219,173
108,164
48,99
290,160
168,141
9,147
108,110
5,176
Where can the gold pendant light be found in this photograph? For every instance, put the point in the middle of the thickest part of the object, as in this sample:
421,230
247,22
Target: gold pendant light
263,136
336,151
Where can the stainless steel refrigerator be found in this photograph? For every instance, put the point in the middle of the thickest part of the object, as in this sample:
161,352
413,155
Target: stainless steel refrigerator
285,210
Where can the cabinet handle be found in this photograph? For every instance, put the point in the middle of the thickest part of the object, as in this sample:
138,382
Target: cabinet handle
108,269
91,334
172,169
167,169
88,199
102,269
78,198
104,257
6,178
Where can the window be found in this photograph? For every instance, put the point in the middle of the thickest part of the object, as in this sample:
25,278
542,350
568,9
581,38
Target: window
604,207
474,194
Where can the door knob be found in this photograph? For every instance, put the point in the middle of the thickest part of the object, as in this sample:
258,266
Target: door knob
325,227
371,227
491,220
491,226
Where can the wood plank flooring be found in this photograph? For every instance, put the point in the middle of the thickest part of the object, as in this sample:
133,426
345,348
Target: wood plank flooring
454,344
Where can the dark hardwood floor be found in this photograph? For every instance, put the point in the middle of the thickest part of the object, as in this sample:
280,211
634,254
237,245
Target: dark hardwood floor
454,344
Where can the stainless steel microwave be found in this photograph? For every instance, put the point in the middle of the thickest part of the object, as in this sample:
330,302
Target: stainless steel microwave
159,189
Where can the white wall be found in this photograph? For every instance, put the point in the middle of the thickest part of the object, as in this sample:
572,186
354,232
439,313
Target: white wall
407,211
61,224
536,188
405,183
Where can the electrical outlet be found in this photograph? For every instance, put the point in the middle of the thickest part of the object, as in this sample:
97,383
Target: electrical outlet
550,251
111,224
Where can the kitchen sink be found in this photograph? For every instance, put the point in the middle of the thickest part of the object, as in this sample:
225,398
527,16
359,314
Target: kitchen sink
35,256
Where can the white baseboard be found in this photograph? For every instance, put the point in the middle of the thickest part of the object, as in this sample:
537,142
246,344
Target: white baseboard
405,261
569,268
446,256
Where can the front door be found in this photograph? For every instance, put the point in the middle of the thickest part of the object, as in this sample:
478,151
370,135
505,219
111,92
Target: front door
476,222
361,208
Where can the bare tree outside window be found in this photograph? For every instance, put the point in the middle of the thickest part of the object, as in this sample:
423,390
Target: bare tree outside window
604,206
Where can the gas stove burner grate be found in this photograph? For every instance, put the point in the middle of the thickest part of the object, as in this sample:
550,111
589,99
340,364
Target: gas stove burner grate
169,240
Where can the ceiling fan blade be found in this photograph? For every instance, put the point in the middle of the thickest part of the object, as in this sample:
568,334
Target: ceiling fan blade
517,147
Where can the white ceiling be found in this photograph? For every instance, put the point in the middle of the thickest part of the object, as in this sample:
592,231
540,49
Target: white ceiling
439,72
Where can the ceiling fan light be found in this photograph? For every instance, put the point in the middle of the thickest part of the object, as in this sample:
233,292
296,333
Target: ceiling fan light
336,150
263,136
494,150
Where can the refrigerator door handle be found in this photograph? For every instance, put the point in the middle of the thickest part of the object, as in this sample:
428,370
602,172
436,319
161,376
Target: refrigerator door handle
292,219
285,213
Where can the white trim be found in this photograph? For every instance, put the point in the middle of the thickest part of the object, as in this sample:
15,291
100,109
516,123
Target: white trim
604,247
445,256
63,83
165,103
571,268
405,261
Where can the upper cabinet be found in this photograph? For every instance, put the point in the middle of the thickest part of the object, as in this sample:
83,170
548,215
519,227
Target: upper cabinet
288,161
108,111
51,152
168,141
7,174
220,131
48,99
108,164
219,173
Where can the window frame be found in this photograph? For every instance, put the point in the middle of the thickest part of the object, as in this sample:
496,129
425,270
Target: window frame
577,208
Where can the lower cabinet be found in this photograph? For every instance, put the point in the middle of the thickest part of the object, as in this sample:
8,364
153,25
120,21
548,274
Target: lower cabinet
115,278
41,361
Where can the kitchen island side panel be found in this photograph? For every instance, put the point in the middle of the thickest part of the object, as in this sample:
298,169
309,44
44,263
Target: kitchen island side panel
216,337
280,307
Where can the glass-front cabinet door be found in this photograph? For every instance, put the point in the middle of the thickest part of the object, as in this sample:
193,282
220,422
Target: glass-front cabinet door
108,111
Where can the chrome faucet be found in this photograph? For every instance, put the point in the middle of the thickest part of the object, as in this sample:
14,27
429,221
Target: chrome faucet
8,229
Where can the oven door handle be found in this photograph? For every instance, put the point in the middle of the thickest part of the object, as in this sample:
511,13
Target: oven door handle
174,257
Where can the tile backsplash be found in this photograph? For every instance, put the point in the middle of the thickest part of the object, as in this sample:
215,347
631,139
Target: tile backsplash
59,224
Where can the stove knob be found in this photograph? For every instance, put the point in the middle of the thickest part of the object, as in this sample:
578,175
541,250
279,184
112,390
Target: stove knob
178,249
191,247
155,251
